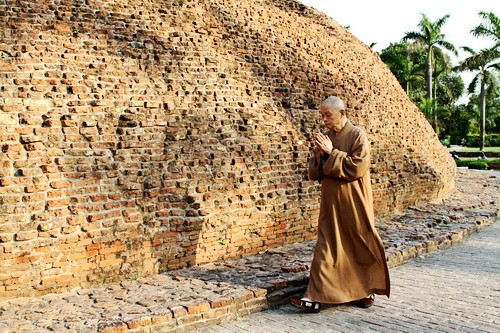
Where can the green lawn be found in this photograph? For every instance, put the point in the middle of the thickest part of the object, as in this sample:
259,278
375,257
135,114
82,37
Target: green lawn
491,160
474,150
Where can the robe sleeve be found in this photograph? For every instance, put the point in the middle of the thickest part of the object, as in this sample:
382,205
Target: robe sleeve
316,165
351,165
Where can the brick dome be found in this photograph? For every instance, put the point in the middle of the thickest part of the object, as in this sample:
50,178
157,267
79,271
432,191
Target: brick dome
142,136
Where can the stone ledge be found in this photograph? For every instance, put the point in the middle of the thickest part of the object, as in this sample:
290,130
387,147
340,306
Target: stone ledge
187,299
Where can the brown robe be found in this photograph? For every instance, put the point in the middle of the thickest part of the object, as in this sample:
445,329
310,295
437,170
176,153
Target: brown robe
349,261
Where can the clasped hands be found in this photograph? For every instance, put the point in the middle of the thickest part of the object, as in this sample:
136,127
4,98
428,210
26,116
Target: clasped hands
323,143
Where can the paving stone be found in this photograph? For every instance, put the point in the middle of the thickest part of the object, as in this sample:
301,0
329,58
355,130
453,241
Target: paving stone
455,290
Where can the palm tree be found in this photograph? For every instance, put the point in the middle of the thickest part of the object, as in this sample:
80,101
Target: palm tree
486,63
431,39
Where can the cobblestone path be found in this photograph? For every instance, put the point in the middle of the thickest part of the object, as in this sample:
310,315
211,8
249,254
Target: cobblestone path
454,290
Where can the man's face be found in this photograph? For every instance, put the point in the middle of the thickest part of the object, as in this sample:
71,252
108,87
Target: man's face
332,119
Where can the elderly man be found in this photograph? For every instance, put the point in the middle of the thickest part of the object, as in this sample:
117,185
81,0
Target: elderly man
349,262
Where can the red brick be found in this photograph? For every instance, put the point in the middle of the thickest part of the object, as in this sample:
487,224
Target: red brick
60,184
197,308
221,303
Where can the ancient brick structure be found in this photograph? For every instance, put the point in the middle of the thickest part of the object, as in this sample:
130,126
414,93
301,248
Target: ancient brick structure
142,136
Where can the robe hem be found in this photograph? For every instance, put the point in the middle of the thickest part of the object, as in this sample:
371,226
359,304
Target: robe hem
381,292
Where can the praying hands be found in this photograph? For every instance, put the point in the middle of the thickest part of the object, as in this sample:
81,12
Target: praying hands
323,143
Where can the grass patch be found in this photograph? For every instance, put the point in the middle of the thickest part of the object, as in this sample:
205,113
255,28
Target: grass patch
474,163
474,149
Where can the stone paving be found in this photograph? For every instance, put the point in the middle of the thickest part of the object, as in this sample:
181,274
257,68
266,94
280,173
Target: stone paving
187,299
456,290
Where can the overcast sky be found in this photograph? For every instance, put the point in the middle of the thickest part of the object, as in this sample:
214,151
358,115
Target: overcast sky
386,21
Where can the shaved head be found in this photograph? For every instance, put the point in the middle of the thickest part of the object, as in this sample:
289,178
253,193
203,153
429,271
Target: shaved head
332,111
333,103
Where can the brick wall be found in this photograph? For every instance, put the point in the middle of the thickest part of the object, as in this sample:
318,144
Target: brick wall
142,136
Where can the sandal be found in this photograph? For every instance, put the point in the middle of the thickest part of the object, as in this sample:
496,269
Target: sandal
308,306
366,302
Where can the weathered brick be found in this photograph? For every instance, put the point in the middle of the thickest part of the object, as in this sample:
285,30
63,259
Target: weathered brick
113,249
164,317
9,119
178,311
26,235
119,328
60,184
197,308
110,262
221,302
57,203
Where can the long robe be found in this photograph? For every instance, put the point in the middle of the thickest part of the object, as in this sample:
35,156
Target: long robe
349,262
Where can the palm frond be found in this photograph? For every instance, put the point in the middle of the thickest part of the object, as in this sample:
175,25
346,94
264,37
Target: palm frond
472,86
490,28
468,49
440,22
413,36
495,66
469,64
424,21
482,31
447,45
479,60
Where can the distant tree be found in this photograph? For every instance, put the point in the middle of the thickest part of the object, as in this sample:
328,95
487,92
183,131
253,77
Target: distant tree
493,115
486,64
407,66
426,106
449,88
460,122
442,66
432,41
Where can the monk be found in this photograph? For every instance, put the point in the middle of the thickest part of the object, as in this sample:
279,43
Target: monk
349,263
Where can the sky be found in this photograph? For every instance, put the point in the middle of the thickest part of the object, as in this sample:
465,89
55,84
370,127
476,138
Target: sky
386,21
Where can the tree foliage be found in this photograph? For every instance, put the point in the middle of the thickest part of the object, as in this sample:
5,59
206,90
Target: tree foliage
408,67
421,64
432,42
